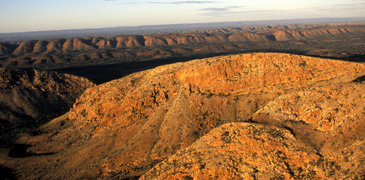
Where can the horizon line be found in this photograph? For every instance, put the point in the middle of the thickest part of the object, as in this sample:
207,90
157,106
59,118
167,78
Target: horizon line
151,25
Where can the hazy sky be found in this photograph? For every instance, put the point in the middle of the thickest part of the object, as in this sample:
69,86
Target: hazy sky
34,15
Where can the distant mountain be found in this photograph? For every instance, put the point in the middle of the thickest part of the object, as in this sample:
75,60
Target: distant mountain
153,29
143,47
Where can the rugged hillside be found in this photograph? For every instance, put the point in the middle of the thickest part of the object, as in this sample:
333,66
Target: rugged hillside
123,128
242,151
139,47
32,95
315,133
7,48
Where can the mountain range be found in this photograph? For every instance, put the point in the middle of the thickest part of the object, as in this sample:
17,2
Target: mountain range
156,29
101,50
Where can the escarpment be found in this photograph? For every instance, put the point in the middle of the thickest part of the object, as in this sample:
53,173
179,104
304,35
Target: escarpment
220,117
140,47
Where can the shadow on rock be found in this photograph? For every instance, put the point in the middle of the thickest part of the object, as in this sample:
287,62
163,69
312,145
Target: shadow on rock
6,173
20,150
359,79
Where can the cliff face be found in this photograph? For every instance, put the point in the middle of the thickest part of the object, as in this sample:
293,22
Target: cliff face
79,50
121,129
33,95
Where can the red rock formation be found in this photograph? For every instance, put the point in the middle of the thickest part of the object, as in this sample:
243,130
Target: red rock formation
247,37
40,46
329,118
316,133
24,47
32,95
242,151
199,42
87,44
55,45
155,41
76,44
122,128
129,41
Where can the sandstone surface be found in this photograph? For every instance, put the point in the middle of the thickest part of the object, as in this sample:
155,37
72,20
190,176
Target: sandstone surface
242,151
123,128
316,133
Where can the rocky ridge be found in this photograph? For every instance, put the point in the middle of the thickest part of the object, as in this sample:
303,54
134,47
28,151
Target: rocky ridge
123,128
83,50
31,95
316,133
241,151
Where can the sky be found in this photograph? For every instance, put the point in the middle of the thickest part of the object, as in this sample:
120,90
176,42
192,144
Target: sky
38,15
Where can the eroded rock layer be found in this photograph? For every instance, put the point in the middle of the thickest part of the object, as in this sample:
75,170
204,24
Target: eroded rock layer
123,128
140,47
242,151
317,133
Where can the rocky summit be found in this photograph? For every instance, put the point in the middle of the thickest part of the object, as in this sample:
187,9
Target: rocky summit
246,116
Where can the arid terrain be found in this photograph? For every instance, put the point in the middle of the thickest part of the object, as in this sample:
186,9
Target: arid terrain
192,43
101,59
31,97
160,29
244,116
256,102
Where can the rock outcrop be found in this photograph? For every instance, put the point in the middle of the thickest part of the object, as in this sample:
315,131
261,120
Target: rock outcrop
123,128
33,95
316,133
243,151
329,118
